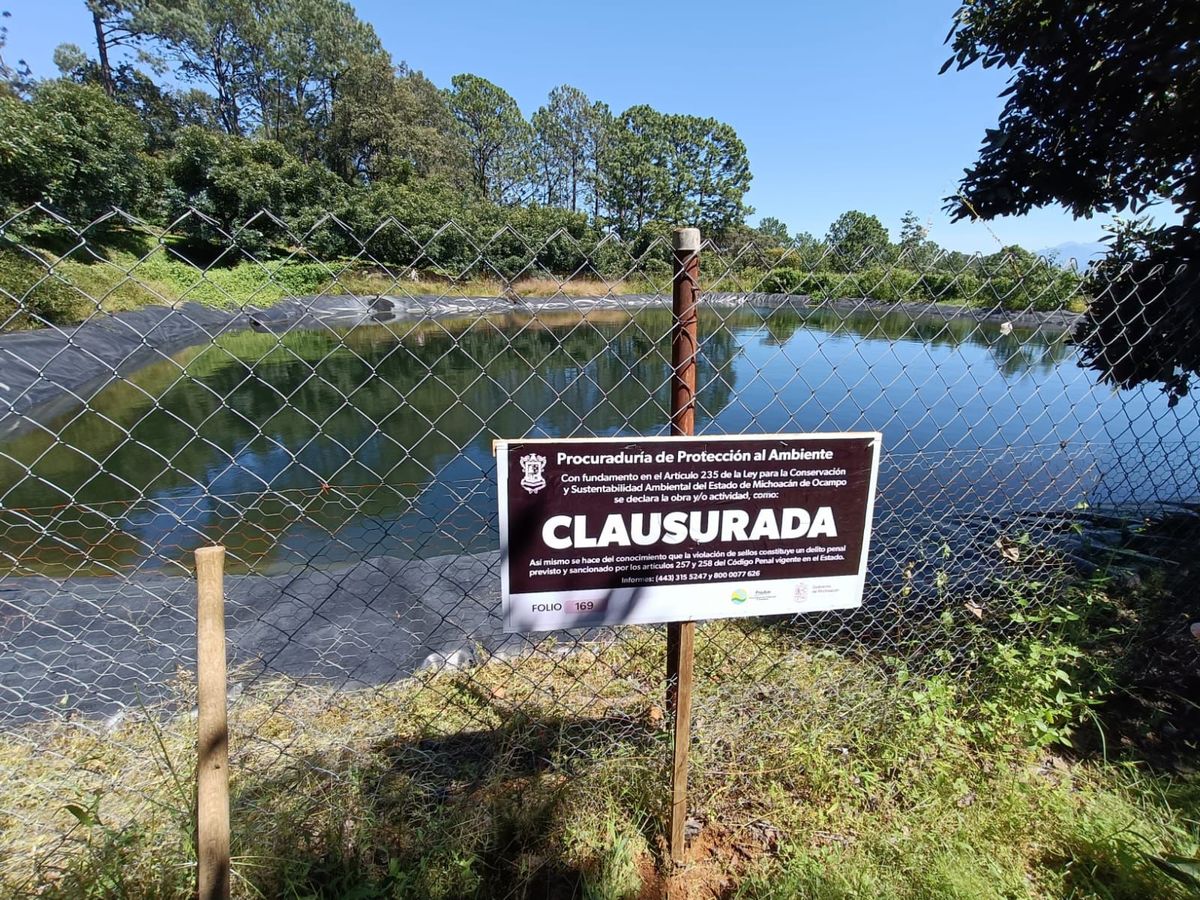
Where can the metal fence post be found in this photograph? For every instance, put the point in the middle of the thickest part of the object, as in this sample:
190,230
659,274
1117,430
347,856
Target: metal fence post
681,635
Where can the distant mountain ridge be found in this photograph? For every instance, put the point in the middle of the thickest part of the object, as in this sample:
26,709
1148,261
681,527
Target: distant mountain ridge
1081,252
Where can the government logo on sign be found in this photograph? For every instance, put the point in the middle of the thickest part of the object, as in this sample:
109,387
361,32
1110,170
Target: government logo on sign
533,465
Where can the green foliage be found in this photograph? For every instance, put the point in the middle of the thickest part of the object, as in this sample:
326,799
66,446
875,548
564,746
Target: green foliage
613,874
533,252
273,67
567,137
951,287
244,283
1141,326
912,232
874,781
426,224
72,148
772,232
927,826
784,280
1043,686
1017,279
233,181
1122,81
161,111
1013,279
889,284
355,157
1056,832
679,170
605,844
1119,77
1037,698
32,294
856,239
496,135
391,123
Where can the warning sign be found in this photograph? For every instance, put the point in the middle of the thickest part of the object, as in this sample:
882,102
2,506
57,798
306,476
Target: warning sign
617,531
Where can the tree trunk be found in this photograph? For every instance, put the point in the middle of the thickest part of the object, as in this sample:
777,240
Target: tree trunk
106,75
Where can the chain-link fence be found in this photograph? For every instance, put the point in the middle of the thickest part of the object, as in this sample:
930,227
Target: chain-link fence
323,405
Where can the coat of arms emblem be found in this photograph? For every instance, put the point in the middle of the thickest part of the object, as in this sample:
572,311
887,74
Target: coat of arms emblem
532,467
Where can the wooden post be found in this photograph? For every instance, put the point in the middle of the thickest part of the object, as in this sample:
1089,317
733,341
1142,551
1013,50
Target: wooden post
681,635
212,769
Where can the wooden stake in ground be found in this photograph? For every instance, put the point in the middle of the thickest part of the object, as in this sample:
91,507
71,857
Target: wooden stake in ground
681,635
212,770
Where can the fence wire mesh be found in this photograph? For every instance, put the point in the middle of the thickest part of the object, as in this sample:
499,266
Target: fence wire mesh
323,405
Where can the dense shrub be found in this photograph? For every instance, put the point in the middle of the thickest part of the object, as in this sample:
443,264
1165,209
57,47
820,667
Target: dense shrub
235,181
1042,291
965,288
535,240
945,287
1016,279
435,226
1041,288
72,148
890,285
427,225
822,285
302,277
1061,287
784,280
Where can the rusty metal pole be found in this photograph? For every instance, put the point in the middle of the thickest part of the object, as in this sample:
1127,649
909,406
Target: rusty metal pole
685,292
681,635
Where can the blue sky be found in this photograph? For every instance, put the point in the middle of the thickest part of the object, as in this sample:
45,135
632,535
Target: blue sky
839,103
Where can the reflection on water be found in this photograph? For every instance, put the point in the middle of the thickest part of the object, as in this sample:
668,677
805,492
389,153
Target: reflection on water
328,446
1014,351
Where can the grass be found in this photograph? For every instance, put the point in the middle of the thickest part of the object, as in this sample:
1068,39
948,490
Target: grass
141,271
129,282
815,772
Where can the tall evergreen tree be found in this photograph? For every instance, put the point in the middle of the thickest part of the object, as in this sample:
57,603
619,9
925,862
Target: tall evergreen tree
497,137
565,145
674,169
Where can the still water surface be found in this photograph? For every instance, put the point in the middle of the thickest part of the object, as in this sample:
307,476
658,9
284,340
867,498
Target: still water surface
329,446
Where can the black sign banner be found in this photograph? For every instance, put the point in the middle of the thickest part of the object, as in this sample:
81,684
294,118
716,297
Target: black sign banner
618,531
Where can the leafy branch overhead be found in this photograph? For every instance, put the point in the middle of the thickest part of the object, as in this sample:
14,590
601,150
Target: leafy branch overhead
1100,117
